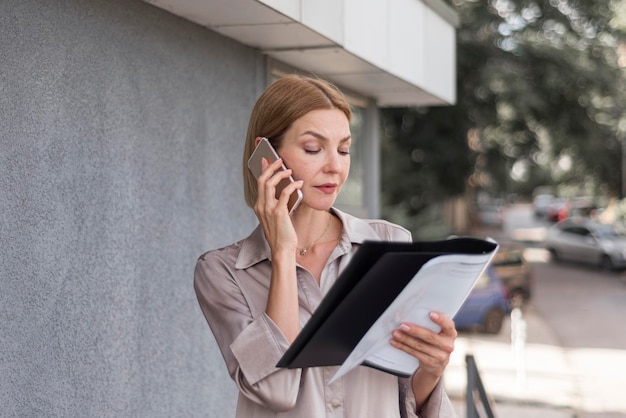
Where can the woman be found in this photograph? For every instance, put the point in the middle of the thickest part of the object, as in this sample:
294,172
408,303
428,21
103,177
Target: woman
257,294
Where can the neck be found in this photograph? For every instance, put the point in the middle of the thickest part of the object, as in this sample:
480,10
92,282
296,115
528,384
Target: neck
313,229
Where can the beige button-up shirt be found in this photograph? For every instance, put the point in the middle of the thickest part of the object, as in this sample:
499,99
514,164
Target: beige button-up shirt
232,285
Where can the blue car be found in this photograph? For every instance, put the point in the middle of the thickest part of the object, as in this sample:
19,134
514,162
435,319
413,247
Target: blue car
486,305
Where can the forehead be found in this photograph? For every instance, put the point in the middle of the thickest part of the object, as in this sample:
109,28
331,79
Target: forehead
329,121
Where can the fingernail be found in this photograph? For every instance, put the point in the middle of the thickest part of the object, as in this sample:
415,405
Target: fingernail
405,327
434,315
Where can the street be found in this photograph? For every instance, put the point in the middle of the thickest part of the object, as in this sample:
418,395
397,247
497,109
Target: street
564,353
585,307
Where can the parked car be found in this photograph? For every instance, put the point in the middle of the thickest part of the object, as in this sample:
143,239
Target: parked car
486,306
489,214
586,241
541,203
573,207
515,272
555,209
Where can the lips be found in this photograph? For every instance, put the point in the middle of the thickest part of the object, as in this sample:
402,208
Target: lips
327,188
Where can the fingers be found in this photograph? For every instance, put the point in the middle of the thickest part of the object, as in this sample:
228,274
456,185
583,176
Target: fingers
272,211
446,324
274,177
430,348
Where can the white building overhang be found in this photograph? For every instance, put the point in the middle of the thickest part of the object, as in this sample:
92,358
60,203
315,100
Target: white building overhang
399,52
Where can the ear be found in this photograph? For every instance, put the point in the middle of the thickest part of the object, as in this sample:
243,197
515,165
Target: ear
257,140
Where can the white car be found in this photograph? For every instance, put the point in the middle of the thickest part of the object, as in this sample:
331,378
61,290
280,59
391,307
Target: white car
541,203
583,240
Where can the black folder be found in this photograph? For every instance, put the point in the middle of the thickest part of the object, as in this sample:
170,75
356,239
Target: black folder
375,276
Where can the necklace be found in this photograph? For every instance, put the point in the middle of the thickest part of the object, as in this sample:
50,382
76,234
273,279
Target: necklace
305,250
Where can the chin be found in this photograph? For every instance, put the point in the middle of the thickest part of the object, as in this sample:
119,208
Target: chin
324,205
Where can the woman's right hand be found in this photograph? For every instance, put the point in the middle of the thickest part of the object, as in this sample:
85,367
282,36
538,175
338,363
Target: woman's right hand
273,212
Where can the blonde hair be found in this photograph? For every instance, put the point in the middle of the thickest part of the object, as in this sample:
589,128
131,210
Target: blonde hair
278,107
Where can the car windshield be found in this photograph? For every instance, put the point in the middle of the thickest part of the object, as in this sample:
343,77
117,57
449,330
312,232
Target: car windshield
606,232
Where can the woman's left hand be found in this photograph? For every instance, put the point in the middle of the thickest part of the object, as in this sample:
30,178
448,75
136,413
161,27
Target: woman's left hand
430,348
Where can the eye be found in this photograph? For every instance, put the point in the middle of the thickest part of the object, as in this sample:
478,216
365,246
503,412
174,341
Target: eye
344,151
311,151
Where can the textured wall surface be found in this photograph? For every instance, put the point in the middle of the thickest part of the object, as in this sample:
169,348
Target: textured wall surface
120,147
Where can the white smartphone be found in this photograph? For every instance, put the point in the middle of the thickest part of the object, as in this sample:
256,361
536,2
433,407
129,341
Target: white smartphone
265,150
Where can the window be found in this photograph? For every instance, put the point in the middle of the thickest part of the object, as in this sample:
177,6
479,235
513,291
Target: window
352,193
576,230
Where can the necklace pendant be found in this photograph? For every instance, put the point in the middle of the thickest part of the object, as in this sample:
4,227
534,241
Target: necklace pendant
303,251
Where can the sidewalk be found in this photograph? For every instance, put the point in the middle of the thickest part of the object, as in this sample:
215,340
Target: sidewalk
523,380
531,375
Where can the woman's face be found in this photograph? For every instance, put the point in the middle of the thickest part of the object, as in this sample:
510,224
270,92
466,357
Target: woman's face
317,148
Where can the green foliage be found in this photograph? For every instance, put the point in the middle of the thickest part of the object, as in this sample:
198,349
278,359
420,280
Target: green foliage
619,210
415,153
541,100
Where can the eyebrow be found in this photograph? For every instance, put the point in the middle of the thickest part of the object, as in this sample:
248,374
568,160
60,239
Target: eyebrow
323,138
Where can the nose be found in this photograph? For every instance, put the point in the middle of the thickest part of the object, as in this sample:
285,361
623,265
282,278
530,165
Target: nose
333,162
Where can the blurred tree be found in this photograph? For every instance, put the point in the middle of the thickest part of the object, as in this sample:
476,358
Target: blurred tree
541,100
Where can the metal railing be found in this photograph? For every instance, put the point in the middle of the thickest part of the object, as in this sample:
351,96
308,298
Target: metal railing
476,393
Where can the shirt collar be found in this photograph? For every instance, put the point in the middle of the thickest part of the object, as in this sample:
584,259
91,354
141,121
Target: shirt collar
255,248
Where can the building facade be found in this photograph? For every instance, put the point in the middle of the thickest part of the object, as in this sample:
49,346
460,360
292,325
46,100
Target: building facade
120,163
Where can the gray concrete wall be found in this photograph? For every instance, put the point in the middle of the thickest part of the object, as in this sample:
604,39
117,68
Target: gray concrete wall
120,144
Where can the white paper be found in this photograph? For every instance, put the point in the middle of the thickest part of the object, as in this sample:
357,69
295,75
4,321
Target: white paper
442,284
